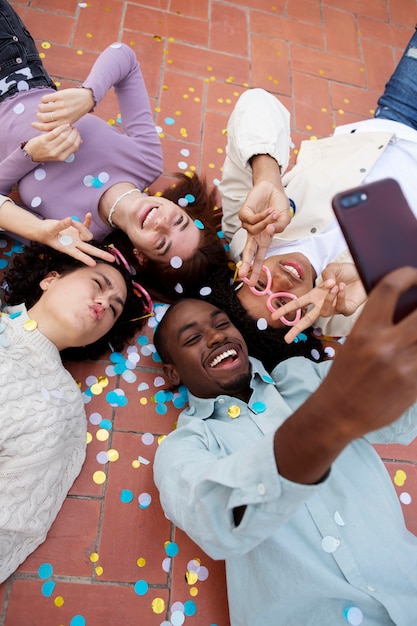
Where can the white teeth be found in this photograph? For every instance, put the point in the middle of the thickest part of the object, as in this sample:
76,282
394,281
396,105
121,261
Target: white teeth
222,356
147,218
292,271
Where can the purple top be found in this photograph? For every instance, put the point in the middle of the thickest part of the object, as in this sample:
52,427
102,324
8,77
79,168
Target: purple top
105,157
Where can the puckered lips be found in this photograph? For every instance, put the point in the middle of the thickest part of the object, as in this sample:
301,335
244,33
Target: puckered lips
97,312
228,356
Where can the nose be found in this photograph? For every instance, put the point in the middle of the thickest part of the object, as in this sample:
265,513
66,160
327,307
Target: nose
281,281
161,223
214,336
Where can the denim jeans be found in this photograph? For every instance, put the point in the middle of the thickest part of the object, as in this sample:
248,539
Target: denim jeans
399,100
20,65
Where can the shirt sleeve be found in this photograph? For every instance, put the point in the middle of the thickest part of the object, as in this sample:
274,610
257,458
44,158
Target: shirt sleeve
14,167
118,67
259,124
199,490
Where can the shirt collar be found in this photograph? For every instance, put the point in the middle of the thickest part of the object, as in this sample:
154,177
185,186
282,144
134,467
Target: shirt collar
205,407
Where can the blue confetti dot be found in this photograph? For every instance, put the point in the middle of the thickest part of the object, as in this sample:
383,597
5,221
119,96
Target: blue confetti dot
126,495
97,182
267,379
190,198
75,218
119,368
48,588
259,407
141,587
220,234
161,409
116,357
300,337
190,608
3,264
77,620
156,358
106,424
179,403
45,570
172,549
169,121
160,396
199,224
143,340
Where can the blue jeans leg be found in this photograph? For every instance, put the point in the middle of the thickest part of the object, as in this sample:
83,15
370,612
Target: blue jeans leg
399,100
20,64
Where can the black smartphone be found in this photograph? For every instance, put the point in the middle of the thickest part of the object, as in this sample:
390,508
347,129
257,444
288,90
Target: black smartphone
381,232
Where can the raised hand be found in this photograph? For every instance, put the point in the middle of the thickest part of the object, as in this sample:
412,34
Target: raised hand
63,107
55,145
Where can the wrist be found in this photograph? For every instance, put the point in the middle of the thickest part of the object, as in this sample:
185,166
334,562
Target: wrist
25,150
265,168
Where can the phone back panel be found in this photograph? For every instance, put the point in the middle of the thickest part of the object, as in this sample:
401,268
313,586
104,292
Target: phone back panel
381,232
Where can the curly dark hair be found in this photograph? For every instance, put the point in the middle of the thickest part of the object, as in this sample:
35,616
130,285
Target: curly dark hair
266,345
28,268
158,276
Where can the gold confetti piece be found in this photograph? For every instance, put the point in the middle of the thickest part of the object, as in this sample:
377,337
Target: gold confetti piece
196,99
309,127
143,401
192,89
141,561
80,52
323,110
321,71
178,113
211,165
102,434
161,438
158,605
99,570
220,150
191,577
165,87
400,478
59,601
96,389
103,381
185,96
94,557
341,112
209,68
135,463
89,36
45,45
233,411
112,455
193,591
157,38
99,477
89,438
30,325
171,39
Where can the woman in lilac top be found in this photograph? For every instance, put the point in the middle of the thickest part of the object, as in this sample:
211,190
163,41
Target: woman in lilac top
77,176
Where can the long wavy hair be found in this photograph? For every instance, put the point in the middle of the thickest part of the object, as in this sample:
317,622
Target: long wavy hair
21,284
163,281
266,345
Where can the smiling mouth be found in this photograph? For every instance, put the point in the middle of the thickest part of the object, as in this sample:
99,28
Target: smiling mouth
292,271
225,358
148,216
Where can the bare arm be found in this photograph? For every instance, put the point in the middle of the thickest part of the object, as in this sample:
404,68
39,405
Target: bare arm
266,211
371,383
65,235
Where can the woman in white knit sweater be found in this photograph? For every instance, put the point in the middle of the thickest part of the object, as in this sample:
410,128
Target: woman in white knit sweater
54,305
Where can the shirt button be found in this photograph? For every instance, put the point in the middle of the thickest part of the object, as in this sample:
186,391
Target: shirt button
18,60
313,230
362,170
370,588
261,489
221,400
15,38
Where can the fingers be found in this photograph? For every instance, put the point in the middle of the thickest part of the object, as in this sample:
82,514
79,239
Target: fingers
92,251
383,299
305,322
255,223
87,220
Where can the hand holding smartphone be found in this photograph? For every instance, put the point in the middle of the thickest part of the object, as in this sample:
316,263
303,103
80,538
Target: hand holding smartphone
381,232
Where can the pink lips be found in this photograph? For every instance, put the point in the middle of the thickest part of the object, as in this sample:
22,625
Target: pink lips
296,266
97,311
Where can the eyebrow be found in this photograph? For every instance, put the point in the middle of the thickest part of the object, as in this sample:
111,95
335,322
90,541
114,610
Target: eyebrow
183,227
186,327
111,286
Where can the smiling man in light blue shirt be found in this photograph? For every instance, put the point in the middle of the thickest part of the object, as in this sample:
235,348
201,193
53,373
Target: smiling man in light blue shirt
278,476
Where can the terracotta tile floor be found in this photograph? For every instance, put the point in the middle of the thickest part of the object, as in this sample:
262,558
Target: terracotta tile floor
112,557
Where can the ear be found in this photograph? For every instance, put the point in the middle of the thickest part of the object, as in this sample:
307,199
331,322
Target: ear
140,257
47,280
171,373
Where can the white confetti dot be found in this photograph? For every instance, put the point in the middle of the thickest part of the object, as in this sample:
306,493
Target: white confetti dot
39,173
182,202
405,497
176,262
159,381
158,129
315,354
205,291
216,182
177,618
338,519
166,564
148,439
70,159
116,45
179,288
66,240
103,177
22,85
262,324
19,108
182,165
185,152
354,616
330,544
88,180
37,201
143,387
129,376
329,351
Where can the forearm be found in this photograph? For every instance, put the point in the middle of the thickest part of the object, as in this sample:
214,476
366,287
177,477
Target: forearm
17,220
266,168
13,168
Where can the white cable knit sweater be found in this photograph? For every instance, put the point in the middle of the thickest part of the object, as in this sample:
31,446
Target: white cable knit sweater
42,437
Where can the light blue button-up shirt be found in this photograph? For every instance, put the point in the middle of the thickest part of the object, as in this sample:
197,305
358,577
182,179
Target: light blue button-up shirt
321,555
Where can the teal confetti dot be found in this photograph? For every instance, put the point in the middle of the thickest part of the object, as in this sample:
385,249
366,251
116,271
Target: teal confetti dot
126,495
45,570
300,337
199,224
179,403
190,608
116,357
48,588
267,379
17,314
75,218
169,121
143,340
156,358
161,409
78,620
97,182
220,234
190,198
141,587
119,368
160,396
106,424
259,407
3,264
172,549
